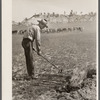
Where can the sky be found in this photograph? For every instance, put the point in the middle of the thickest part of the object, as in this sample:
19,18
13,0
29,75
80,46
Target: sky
26,8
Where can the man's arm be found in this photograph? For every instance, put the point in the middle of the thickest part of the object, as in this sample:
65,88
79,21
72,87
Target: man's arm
38,40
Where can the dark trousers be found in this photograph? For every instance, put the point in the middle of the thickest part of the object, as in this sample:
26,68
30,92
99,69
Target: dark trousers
27,45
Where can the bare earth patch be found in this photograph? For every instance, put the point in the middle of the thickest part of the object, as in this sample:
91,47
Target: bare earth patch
74,53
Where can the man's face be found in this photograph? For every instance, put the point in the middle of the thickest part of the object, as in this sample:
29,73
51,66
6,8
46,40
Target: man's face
42,26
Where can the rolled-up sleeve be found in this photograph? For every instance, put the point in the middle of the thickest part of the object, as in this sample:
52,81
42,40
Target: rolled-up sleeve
38,39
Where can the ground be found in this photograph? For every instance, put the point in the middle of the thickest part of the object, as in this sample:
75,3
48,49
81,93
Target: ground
67,50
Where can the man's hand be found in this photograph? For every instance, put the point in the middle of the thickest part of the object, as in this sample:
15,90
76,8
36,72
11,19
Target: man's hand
39,53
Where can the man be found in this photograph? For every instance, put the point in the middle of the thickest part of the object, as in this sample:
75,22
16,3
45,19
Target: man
32,33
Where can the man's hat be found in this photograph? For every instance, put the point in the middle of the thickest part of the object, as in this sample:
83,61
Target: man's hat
44,22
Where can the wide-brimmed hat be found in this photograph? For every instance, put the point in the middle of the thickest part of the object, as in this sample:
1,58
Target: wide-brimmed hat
44,22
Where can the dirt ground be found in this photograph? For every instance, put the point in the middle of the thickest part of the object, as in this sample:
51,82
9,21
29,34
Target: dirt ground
68,51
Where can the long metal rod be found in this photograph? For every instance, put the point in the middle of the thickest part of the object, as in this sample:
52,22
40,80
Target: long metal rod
46,59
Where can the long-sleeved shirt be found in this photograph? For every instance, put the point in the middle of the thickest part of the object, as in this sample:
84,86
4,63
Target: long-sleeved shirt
33,33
